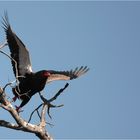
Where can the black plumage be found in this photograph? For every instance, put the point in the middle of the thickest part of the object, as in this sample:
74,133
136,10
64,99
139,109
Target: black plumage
31,82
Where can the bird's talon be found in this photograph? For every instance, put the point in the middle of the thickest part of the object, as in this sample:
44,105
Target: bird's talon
18,109
14,99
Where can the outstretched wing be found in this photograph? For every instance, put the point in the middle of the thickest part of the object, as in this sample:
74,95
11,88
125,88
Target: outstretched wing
21,61
66,75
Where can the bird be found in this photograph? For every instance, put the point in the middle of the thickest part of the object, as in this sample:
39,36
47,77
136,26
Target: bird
29,82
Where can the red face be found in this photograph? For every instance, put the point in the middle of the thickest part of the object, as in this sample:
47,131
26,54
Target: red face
46,74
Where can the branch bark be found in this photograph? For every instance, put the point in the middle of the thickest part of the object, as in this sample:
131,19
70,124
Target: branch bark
21,124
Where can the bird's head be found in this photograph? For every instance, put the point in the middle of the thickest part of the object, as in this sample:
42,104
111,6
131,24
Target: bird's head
42,74
45,73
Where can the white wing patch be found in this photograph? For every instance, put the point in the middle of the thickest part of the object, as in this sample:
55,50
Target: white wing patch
55,77
67,75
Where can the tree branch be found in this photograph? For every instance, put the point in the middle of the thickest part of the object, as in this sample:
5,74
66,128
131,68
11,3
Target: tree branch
16,67
4,123
58,93
38,130
43,114
48,103
22,125
34,112
3,44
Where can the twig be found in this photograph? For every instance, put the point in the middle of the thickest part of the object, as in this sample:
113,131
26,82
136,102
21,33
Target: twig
38,114
21,124
17,76
9,125
58,93
3,44
34,112
16,66
48,102
8,84
43,118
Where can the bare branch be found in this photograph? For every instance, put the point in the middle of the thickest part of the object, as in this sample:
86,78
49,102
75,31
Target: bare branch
34,112
48,102
8,84
58,93
2,97
43,114
16,67
22,125
3,44
17,76
4,123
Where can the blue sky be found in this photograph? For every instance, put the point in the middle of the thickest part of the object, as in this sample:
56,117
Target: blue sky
105,36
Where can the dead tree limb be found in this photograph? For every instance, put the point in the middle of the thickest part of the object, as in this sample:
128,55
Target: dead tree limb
21,124
48,103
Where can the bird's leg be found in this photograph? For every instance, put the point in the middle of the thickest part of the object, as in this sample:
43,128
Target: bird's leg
18,109
25,100
14,98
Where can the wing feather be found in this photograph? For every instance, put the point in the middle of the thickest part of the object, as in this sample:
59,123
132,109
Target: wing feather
66,75
18,50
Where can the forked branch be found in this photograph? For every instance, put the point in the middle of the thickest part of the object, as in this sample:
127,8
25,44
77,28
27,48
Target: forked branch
47,103
21,124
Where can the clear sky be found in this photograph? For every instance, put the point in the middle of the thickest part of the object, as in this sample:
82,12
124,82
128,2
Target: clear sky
105,36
